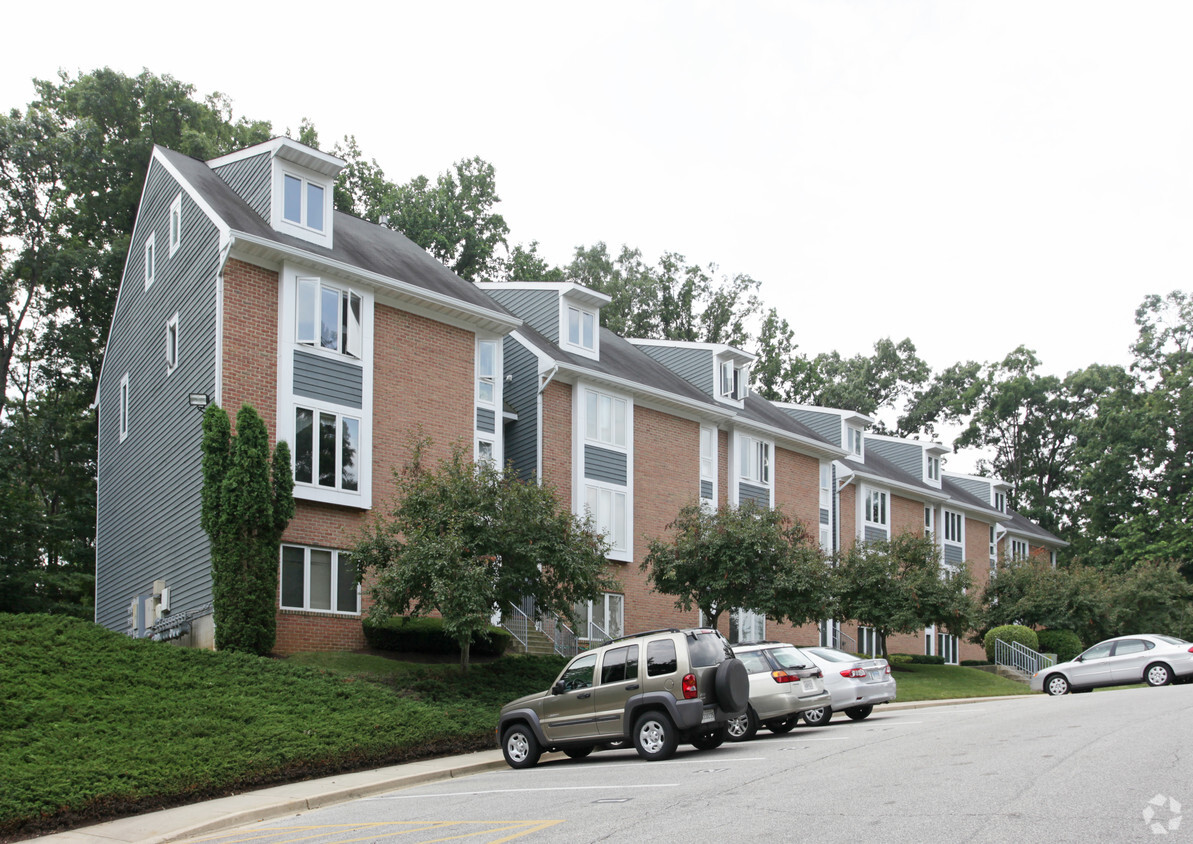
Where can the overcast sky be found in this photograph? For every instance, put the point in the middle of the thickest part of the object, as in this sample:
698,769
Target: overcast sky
972,175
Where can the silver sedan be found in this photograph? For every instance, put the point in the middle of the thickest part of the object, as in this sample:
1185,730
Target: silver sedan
1144,658
856,683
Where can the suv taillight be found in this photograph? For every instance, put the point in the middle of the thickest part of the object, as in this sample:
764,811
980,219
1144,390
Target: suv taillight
783,677
689,686
856,673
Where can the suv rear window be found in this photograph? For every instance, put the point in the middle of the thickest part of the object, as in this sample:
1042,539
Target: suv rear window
707,648
660,658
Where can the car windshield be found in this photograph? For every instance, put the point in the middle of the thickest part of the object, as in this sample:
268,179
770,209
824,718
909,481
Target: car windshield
1172,640
789,658
706,647
833,655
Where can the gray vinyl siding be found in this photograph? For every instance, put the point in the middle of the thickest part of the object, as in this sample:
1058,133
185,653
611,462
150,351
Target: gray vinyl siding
909,458
252,179
750,492
953,554
826,425
875,534
706,489
148,491
521,436
485,420
601,464
537,308
693,365
978,489
327,379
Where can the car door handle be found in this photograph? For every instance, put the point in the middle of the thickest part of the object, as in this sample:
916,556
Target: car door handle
632,688
586,694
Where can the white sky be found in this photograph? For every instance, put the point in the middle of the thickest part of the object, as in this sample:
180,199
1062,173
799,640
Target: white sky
972,175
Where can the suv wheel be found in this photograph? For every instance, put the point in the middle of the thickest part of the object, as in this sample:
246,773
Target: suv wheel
710,740
654,736
743,727
520,747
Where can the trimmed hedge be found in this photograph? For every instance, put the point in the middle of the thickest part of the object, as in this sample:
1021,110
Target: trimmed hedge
974,663
1064,643
899,659
1011,633
425,635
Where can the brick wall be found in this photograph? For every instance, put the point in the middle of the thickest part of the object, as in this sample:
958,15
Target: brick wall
797,488
907,516
408,351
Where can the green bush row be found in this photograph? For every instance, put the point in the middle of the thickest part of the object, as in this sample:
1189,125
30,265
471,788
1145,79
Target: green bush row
1064,643
915,659
425,635
1011,633
974,663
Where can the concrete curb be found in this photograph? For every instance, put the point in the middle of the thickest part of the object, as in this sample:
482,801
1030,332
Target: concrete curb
265,804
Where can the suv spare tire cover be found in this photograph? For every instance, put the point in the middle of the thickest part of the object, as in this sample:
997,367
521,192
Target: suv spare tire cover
733,685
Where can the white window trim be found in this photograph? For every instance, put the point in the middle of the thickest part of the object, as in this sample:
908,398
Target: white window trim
172,322
175,223
867,498
1020,549
492,439
737,472
580,483
711,433
565,306
931,461
859,453
929,522
287,401
737,376
150,259
945,527
306,581
314,344
123,407
317,409
301,230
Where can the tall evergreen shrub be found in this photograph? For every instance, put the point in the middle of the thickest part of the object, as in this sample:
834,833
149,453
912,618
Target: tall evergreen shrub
247,503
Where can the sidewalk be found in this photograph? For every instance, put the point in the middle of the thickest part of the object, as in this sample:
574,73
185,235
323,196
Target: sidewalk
252,806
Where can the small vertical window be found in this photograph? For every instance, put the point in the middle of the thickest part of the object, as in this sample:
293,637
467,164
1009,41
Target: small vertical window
315,207
124,407
175,224
171,343
150,261
486,371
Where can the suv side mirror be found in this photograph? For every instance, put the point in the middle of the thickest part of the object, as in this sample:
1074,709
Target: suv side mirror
559,688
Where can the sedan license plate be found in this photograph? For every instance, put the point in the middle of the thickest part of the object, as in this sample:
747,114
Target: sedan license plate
807,685
709,714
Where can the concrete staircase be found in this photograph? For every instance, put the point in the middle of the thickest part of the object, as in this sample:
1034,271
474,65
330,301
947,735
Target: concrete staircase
538,643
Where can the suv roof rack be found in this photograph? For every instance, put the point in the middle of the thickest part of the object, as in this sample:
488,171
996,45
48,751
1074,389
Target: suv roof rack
644,633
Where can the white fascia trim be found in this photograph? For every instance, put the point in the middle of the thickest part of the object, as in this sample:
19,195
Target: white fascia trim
287,149
913,492
643,395
722,349
847,415
576,292
998,483
470,316
546,362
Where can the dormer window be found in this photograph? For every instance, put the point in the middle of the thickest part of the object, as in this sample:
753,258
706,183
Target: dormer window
581,328
302,202
1000,502
734,384
933,468
854,441
328,317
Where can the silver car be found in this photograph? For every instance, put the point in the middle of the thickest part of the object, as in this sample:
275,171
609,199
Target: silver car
783,683
856,683
1145,658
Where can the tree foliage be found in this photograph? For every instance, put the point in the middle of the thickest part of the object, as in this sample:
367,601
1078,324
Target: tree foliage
465,539
247,501
745,557
899,586
1033,593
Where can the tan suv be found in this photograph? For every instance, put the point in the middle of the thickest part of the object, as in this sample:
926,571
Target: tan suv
653,689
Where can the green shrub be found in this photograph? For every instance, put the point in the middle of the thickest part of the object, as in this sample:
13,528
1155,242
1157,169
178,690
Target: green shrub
1011,633
425,635
974,663
1064,643
925,659
899,659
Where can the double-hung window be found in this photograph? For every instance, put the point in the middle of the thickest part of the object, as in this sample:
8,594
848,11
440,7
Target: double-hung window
708,466
318,579
581,328
754,460
876,507
175,224
171,344
150,260
303,202
929,522
486,371
326,449
329,317
954,527
606,461
608,508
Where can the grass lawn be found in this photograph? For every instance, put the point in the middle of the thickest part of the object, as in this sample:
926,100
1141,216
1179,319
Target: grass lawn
938,682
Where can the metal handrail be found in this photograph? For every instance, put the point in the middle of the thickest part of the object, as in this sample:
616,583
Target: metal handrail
1020,657
840,638
597,635
518,624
